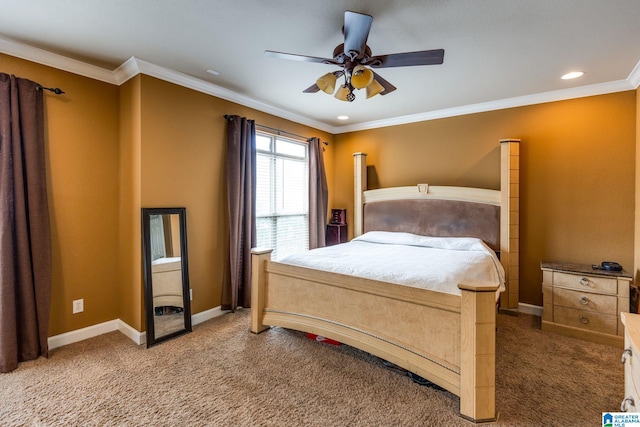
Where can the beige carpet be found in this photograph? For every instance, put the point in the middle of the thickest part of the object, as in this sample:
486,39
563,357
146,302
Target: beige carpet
222,375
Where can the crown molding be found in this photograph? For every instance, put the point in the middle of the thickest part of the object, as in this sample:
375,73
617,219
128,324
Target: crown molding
127,70
634,76
520,101
133,66
54,60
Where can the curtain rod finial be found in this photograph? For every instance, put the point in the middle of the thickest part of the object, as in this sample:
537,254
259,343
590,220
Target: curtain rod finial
55,90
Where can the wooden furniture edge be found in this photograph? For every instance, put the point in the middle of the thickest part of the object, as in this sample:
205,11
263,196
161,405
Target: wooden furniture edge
437,373
478,286
592,336
478,354
258,286
425,191
475,381
509,201
438,300
510,221
359,187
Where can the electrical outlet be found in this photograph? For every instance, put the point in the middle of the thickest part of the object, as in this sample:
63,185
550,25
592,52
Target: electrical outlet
78,306
190,294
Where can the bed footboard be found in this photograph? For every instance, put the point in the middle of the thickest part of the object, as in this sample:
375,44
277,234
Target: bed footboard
447,339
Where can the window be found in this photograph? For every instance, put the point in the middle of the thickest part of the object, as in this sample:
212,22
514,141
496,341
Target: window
282,195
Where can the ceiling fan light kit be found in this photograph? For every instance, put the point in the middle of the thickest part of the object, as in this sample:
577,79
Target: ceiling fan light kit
343,93
374,88
327,83
356,60
361,77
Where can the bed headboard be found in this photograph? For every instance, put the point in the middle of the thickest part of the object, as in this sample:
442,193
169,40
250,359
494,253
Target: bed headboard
491,215
435,211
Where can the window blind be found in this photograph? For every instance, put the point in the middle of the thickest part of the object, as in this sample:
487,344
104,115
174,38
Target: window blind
282,201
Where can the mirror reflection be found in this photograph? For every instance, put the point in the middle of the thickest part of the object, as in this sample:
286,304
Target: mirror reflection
166,274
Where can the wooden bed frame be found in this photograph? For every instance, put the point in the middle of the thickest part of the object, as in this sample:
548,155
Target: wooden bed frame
447,339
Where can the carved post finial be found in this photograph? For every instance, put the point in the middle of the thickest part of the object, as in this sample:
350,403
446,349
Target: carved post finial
359,186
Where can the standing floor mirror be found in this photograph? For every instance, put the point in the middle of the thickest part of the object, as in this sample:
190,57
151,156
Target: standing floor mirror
166,273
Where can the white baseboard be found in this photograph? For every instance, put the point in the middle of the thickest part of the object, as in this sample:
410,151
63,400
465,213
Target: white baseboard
132,333
82,334
535,310
119,325
203,316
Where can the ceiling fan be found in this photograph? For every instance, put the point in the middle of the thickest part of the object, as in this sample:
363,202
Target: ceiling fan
356,60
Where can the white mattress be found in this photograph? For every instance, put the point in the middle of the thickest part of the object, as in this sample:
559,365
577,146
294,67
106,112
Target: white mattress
436,263
165,260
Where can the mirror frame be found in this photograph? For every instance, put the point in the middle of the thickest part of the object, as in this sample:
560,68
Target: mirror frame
152,339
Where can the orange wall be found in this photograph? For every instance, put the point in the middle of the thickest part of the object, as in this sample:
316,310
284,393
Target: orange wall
82,170
183,158
577,173
112,150
130,287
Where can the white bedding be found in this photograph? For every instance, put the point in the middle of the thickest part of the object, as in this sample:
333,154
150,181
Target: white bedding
436,263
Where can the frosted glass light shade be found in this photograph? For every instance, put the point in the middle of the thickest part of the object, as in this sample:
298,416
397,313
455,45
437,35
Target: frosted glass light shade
374,88
327,83
361,77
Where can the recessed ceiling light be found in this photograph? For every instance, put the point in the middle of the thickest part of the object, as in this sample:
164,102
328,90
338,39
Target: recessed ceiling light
213,72
343,117
572,75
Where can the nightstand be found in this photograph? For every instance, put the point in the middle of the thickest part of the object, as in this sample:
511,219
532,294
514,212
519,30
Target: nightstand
336,233
584,303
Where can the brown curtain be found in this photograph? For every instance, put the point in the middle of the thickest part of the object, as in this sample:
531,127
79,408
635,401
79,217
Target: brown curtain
25,237
168,236
241,196
318,195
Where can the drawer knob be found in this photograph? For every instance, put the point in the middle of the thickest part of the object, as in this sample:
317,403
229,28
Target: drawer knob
584,319
628,401
625,355
584,300
584,281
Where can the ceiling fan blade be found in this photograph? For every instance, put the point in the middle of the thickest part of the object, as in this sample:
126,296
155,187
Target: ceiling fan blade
356,32
295,57
388,87
312,89
423,57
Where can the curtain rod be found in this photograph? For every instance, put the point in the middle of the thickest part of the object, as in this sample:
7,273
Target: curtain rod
55,90
279,131
288,133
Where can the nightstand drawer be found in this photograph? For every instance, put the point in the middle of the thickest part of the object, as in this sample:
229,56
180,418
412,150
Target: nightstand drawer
605,304
586,283
588,320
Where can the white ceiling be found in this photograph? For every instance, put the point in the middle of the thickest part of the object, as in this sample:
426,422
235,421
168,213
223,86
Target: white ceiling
498,53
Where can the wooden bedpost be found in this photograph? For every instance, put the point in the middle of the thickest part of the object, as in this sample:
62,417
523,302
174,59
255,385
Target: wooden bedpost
359,186
478,351
258,282
509,221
